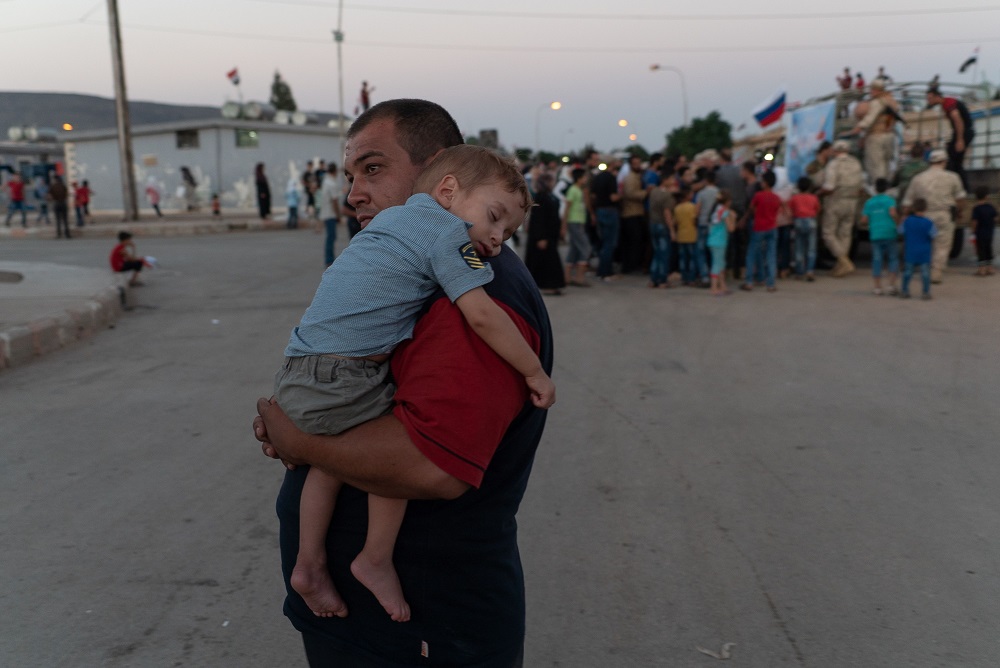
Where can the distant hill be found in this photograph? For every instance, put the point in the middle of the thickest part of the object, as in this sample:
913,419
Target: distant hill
87,112
90,112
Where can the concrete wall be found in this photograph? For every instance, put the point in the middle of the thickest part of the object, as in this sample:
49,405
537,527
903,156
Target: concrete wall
217,163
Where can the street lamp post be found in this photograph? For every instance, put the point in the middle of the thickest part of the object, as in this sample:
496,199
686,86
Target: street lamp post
554,106
684,97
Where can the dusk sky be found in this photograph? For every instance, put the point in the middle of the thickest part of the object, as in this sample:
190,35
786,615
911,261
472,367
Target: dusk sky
498,65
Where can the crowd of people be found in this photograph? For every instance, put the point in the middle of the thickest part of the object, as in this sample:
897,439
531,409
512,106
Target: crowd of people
693,222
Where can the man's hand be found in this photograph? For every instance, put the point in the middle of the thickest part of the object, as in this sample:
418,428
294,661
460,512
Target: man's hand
275,431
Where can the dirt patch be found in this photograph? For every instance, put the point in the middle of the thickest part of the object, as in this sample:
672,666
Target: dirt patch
10,277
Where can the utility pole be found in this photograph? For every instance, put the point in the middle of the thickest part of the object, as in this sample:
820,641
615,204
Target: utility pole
338,37
129,199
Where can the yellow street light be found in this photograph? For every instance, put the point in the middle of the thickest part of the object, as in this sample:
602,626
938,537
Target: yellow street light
554,106
633,137
67,127
622,123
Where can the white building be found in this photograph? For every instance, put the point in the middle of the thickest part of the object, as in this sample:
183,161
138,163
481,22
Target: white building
221,154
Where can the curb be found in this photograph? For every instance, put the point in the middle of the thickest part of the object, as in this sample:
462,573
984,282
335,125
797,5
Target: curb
151,228
21,344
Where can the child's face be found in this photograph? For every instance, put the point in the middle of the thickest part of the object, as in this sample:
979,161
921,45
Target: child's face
495,214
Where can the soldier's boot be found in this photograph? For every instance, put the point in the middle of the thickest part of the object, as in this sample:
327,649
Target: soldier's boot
935,276
849,266
840,269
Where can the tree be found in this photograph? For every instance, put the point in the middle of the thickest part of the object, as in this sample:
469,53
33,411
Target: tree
281,94
701,134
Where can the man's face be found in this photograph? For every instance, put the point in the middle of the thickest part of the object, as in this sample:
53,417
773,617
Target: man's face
378,169
933,100
495,214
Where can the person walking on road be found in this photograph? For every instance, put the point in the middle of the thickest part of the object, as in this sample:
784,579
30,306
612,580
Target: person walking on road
466,447
327,205
59,196
15,188
263,191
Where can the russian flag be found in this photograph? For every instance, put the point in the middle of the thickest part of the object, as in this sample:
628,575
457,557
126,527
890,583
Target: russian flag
771,110
234,76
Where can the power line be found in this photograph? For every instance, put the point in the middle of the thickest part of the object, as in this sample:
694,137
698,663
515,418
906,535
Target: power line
577,49
642,17
756,48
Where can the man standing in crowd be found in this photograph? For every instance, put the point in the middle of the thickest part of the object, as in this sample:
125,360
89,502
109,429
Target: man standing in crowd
728,179
942,189
466,447
842,182
605,196
962,131
633,216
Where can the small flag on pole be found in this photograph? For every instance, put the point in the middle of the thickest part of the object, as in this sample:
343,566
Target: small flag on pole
771,110
234,76
971,60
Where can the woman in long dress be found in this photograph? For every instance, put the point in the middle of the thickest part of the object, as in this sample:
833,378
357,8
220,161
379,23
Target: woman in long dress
263,191
544,232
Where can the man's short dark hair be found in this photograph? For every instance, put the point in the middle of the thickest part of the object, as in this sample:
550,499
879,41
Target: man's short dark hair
750,166
823,146
881,185
422,128
577,174
919,205
769,178
805,184
982,192
124,236
709,176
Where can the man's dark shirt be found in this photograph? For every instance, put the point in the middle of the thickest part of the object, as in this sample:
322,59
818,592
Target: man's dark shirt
458,560
602,187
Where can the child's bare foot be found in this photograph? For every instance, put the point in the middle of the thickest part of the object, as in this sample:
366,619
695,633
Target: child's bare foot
381,580
316,589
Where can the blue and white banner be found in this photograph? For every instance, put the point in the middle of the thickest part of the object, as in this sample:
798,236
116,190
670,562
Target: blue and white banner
809,127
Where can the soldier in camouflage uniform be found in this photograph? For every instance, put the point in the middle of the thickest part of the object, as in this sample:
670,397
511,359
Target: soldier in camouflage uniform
879,128
842,182
942,190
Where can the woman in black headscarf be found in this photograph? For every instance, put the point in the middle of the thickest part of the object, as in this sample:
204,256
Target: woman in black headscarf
544,232
263,191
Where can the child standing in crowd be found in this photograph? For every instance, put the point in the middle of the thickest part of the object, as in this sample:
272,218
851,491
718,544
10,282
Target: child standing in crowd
574,220
804,206
880,214
764,207
721,225
918,235
216,206
985,217
685,231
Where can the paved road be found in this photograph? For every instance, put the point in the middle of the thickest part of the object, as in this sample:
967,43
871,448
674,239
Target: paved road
809,474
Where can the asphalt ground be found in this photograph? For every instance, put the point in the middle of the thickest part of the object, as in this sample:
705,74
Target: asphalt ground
808,474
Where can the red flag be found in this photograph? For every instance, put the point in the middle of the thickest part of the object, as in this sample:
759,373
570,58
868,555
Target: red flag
234,76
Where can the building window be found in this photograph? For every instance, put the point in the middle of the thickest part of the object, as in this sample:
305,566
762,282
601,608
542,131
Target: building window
187,139
247,139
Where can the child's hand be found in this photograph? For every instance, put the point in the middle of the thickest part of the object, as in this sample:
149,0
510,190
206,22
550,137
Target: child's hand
543,390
